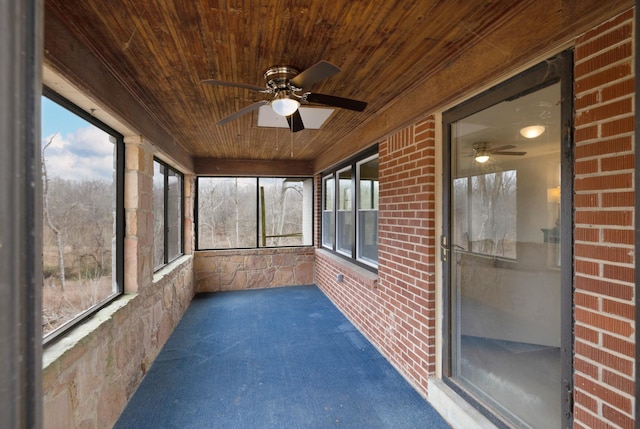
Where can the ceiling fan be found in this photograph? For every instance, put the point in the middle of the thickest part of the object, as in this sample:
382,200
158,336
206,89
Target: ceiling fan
482,151
287,85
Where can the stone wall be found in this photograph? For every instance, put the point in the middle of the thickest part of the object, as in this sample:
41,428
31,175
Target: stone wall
223,270
90,375
92,371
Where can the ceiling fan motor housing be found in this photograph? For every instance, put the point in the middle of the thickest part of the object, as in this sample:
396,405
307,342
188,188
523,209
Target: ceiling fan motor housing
278,77
481,146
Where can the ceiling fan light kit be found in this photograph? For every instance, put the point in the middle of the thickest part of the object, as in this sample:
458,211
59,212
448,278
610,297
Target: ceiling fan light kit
481,158
532,131
286,85
284,106
482,151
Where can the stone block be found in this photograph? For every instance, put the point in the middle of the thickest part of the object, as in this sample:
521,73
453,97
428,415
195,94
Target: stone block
286,259
259,279
236,259
204,264
57,411
303,273
283,277
131,193
256,262
112,402
168,296
210,283
228,271
238,282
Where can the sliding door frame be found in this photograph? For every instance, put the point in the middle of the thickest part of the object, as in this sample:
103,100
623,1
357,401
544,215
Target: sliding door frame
556,69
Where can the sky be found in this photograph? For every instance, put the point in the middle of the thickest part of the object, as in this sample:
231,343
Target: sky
79,150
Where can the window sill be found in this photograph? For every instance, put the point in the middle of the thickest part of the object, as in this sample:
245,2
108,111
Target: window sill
67,342
364,275
167,269
453,408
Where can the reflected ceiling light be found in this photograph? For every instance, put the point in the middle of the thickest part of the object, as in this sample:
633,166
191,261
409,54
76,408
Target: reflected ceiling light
283,105
481,157
533,131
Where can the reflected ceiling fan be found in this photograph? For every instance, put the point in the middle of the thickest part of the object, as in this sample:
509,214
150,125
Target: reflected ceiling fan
287,87
482,151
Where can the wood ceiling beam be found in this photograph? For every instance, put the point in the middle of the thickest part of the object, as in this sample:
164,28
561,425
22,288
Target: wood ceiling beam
252,168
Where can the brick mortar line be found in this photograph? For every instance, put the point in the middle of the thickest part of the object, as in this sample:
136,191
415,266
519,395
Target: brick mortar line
602,383
604,104
602,330
606,85
607,120
602,140
604,50
597,417
613,371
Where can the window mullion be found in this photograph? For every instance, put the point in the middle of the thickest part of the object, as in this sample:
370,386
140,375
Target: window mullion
354,209
257,196
166,215
336,201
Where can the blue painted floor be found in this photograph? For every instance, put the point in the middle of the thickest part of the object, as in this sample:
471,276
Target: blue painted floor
272,358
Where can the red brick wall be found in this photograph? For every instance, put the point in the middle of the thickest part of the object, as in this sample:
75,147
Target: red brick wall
397,312
604,230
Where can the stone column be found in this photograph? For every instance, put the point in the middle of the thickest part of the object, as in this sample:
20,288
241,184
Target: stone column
188,207
138,206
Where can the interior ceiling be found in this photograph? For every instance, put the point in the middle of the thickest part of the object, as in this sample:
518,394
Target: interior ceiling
160,50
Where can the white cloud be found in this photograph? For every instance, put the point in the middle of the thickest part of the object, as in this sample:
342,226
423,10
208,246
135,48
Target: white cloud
85,154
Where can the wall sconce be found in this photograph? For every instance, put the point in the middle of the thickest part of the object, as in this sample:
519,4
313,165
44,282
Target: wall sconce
553,195
553,198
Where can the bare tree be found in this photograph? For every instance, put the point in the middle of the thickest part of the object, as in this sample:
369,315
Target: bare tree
58,232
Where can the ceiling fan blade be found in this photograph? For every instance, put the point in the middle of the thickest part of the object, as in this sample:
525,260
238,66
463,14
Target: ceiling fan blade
313,74
235,85
332,100
499,148
242,111
295,121
509,153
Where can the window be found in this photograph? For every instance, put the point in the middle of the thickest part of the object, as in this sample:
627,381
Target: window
368,191
249,212
328,213
350,210
167,214
82,243
486,212
344,225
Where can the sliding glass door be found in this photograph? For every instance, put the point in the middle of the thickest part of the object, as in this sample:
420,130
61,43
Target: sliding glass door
505,249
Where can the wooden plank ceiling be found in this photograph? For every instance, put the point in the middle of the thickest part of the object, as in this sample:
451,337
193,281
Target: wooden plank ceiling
160,50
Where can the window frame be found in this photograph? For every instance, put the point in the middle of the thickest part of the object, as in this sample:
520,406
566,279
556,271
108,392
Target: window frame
353,164
350,210
119,217
167,258
359,210
257,232
331,211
